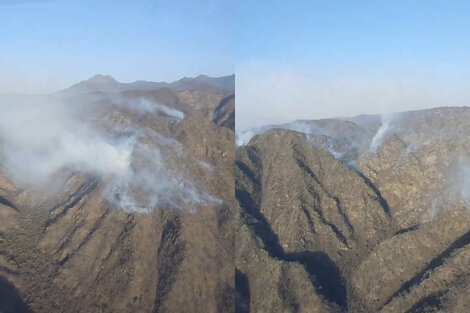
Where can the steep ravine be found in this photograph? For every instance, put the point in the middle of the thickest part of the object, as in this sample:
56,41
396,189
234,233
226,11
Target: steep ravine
366,232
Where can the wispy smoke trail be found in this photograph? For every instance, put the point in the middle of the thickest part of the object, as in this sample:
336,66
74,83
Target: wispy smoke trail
300,126
460,179
143,105
343,139
381,133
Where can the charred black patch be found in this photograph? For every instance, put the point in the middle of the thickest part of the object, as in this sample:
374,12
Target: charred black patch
84,190
170,255
9,204
285,291
10,299
225,297
428,304
87,238
406,230
242,292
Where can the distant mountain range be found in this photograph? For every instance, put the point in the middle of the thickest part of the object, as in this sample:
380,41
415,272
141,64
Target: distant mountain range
106,83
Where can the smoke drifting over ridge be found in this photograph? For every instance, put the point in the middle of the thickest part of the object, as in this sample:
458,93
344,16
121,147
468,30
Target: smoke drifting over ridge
143,105
457,179
322,134
41,136
411,139
463,179
272,94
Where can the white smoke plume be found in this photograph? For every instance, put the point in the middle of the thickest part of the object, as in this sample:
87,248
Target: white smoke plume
143,106
300,126
454,185
381,133
40,136
461,179
149,183
342,147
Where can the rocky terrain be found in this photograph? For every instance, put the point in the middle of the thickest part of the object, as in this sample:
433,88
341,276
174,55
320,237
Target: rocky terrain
224,113
369,214
160,243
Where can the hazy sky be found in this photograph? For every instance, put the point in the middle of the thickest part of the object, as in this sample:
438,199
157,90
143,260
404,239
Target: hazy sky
48,45
316,59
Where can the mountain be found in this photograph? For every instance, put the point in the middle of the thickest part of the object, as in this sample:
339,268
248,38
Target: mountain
106,83
224,113
203,82
102,235
214,98
369,214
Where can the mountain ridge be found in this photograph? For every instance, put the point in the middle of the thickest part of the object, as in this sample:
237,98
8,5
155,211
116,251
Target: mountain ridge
106,83
139,239
387,207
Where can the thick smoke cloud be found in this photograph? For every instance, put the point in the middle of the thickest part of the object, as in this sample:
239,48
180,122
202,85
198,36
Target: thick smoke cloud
41,136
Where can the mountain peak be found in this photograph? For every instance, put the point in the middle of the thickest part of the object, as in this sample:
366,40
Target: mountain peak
106,83
102,79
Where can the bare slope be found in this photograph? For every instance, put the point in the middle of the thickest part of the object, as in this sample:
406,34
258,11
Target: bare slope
72,250
323,228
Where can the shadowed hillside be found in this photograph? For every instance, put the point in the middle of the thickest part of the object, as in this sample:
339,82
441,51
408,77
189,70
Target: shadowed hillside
130,211
369,214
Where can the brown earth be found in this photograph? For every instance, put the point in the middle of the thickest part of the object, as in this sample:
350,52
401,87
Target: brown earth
365,231
72,251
